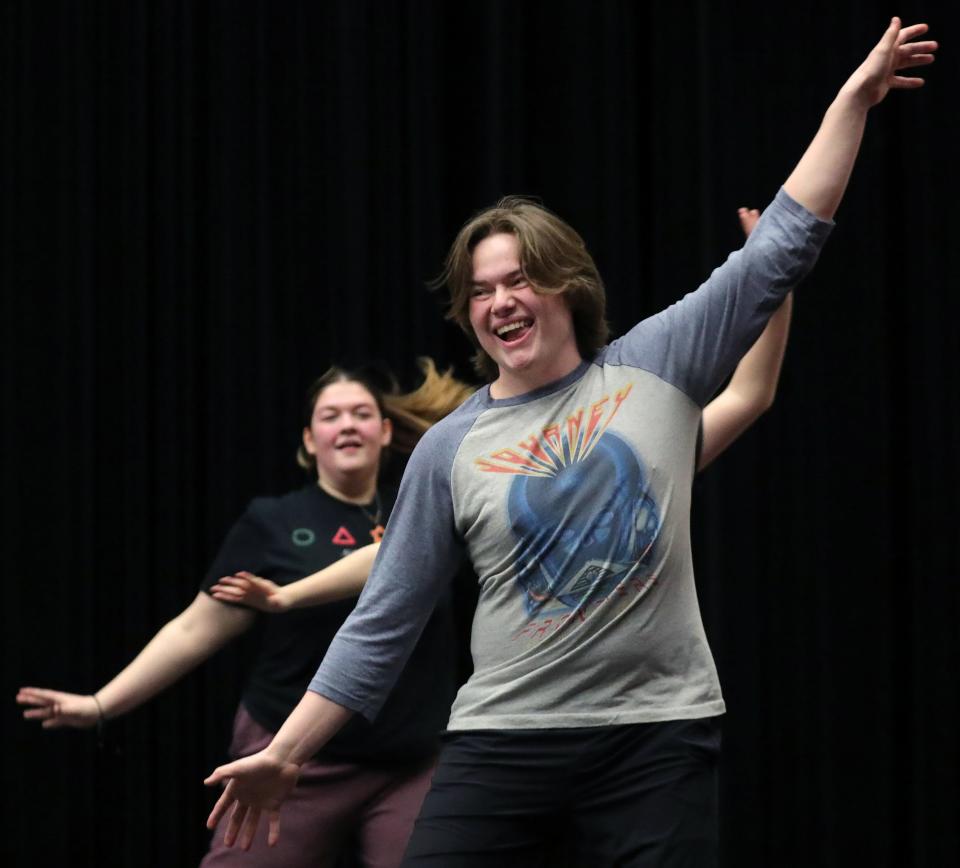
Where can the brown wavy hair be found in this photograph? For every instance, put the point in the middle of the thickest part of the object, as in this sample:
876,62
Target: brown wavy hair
554,259
411,413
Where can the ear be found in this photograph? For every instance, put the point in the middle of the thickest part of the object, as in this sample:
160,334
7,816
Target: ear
308,443
386,433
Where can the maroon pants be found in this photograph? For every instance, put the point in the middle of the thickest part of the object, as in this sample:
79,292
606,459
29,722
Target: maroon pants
332,806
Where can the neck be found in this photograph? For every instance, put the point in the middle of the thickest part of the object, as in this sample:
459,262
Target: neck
509,384
350,490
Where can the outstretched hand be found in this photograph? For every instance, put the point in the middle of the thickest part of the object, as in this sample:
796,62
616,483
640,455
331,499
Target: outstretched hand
894,52
254,784
56,709
250,590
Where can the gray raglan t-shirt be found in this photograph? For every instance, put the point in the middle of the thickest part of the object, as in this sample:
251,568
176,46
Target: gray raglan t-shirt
572,503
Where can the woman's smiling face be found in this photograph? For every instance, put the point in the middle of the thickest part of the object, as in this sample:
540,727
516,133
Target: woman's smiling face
346,435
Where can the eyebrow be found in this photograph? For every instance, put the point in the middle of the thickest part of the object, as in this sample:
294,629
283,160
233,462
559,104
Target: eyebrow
507,277
357,406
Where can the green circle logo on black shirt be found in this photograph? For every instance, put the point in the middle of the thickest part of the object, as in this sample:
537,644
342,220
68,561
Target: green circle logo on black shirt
303,536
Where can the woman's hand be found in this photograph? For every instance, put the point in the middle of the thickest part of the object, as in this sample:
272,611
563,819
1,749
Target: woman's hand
249,590
56,709
254,784
748,219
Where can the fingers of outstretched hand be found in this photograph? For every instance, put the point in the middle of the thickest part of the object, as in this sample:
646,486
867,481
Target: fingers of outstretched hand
748,219
246,588
237,816
232,583
912,53
927,46
45,705
35,696
37,713
916,60
223,803
905,34
273,832
232,589
42,712
249,829
891,36
893,52
219,774
898,82
885,53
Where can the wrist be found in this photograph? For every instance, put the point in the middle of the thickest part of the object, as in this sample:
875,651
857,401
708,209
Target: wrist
282,598
101,717
283,752
856,96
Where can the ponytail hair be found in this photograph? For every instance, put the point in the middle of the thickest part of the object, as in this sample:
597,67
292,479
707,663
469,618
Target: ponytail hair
412,413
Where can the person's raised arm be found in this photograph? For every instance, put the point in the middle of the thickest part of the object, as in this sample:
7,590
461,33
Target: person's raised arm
820,178
179,646
753,386
339,581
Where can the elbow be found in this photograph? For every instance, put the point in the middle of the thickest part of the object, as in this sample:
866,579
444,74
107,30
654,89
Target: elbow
755,403
755,406
765,401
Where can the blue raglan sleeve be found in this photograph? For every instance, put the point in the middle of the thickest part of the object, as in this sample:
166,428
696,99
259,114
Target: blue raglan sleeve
695,343
420,552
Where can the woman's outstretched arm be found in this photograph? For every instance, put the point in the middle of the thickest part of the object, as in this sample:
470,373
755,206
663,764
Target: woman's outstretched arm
179,646
339,581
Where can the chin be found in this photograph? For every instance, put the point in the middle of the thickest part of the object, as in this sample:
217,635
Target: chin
353,464
518,358
524,363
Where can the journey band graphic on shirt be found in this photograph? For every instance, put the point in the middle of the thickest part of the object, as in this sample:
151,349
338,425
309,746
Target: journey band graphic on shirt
579,508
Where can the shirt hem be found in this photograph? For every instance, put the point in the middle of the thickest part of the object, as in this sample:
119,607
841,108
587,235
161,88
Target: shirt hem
571,720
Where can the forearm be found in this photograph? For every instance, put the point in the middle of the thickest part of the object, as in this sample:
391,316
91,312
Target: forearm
751,389
756,376
820,178
309,727
180,646
339,581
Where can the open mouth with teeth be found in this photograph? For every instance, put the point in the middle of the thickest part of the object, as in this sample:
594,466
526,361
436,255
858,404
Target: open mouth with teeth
350,443
514,331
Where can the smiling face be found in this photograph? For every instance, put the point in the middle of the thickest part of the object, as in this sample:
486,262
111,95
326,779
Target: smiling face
346,435
528,334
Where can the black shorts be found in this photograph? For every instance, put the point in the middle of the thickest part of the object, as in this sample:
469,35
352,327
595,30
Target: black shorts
638,795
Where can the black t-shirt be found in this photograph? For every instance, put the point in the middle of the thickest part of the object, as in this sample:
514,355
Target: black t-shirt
286,538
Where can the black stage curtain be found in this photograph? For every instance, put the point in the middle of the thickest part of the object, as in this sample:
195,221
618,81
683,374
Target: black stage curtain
204,203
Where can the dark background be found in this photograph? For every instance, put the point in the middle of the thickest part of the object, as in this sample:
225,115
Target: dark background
204,203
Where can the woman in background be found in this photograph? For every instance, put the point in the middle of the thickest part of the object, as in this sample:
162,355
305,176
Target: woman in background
367,785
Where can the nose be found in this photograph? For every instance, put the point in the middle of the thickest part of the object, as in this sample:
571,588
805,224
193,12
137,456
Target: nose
502,298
